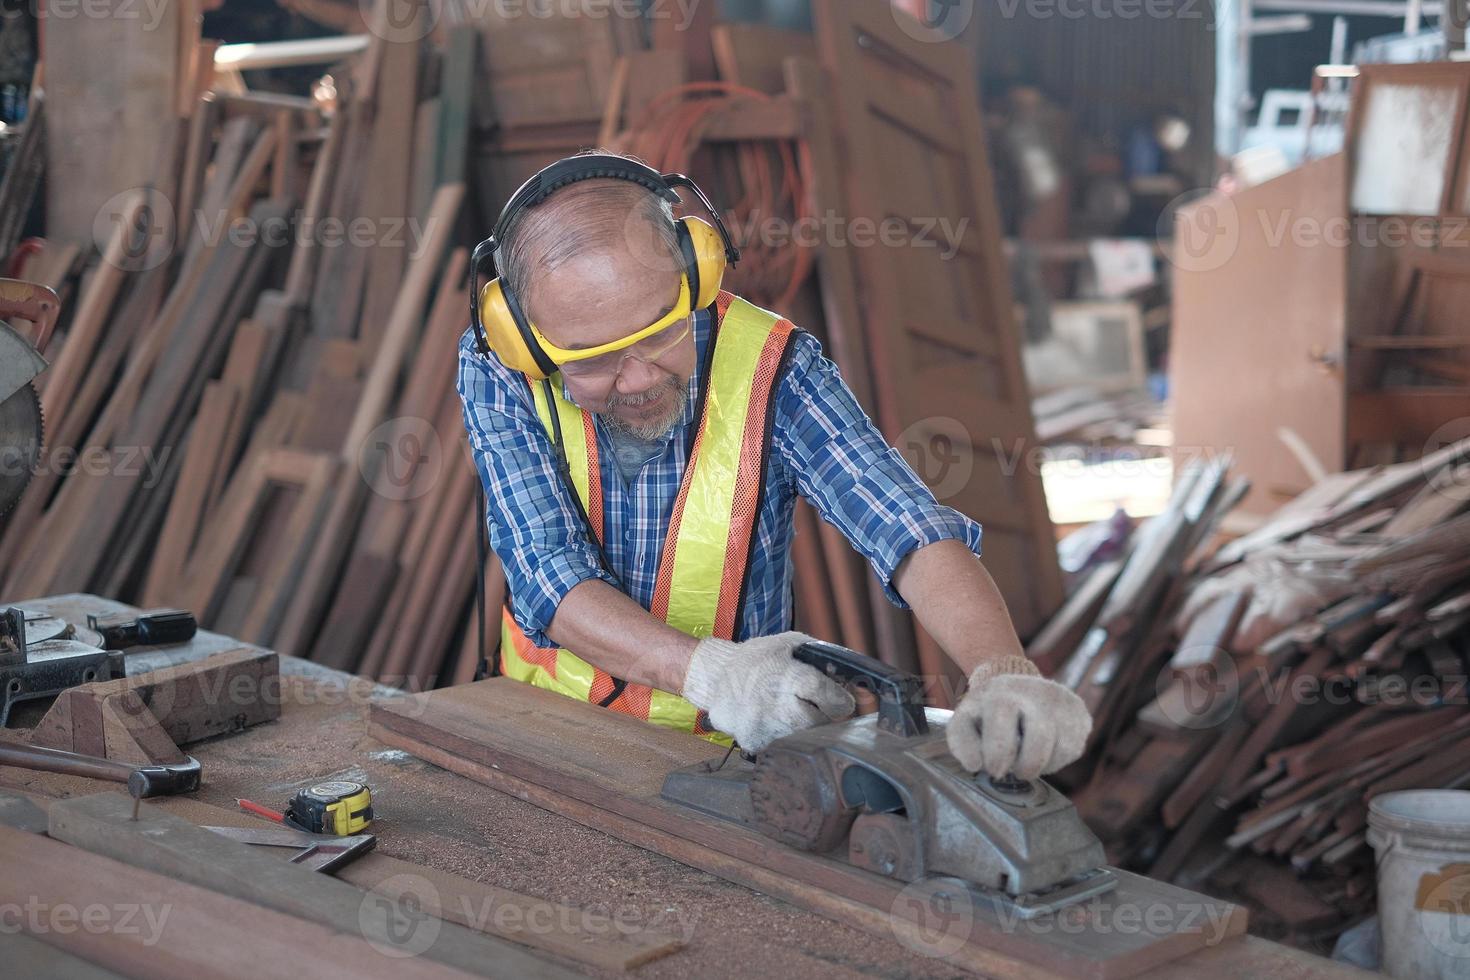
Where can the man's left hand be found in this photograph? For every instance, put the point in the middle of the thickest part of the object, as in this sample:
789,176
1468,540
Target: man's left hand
1013,720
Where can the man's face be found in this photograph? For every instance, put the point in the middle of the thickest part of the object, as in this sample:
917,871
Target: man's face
603,296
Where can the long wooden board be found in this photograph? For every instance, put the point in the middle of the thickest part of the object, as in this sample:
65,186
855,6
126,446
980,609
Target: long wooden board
178,931
171,845
605,770
934,300
581,935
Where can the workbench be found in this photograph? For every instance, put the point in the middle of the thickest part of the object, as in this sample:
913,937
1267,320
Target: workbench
435,818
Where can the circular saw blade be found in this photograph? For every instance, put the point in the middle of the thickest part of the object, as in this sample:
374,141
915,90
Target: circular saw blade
21,435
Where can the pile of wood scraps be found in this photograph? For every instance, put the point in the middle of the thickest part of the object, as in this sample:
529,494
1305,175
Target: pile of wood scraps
252,414
1251,698
1083,414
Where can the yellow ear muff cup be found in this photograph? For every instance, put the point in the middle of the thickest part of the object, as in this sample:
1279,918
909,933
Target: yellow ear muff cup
501,333
709,253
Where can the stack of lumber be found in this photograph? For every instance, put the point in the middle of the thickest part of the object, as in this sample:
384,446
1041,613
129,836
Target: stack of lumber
219,408
1250,699
1085,415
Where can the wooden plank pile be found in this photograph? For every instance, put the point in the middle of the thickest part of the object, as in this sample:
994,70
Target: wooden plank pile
252,413
1251,698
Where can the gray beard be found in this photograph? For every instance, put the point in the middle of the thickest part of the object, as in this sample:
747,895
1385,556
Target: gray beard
658,428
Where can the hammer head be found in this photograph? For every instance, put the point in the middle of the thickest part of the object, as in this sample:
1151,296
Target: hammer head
182,777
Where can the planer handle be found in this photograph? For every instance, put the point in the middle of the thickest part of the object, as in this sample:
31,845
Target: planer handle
900,695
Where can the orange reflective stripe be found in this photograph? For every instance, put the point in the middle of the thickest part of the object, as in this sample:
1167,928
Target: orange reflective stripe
594,476
664,583
748,483
542,657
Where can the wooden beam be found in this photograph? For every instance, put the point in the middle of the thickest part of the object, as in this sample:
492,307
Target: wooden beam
184,931
606,769
170,845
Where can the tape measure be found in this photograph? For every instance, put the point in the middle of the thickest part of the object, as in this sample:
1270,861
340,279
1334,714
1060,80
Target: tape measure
340,806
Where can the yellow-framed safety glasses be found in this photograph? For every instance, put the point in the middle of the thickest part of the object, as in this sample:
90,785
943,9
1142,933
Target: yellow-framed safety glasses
595,360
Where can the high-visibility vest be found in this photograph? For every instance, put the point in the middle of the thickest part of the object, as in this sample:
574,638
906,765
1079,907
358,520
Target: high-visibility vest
702,570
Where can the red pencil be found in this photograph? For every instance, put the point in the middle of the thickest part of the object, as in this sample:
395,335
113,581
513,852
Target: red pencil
260,811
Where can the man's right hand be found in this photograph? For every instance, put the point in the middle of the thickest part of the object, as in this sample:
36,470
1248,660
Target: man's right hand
756,692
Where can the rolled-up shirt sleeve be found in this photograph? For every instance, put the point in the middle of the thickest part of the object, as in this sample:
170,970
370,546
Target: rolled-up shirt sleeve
535,529
858,483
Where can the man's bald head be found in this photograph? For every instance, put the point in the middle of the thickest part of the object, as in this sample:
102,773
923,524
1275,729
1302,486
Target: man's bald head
596,262
606,216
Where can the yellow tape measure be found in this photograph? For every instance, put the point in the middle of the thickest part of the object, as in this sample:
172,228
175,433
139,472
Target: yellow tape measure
340,806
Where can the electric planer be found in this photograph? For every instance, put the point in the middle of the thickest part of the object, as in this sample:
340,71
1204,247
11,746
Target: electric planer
882,792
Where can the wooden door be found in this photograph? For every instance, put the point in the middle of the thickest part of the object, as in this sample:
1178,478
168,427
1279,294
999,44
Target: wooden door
921,229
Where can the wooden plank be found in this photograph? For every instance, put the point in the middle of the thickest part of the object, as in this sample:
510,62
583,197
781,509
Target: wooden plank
170,845
299,274
942,335
27,956
754,55
202,933
185,357
104,116
461,60
220,548
310,603
385,197
78,354
1243,289
578,934
605,769
312,474
1409,416
1062,634
190,500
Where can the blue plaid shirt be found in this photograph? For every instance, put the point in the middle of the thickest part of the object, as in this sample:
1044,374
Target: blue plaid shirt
824,447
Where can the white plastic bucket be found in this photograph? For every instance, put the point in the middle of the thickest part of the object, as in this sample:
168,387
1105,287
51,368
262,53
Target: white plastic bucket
1422,840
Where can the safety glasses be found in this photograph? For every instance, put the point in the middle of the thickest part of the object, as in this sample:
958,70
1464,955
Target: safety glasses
652,342
648,350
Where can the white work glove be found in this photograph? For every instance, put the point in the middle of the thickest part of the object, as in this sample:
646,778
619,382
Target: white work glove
1006,698
755,692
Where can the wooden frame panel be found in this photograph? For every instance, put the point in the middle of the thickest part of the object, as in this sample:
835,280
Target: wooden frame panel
938,322
1451,78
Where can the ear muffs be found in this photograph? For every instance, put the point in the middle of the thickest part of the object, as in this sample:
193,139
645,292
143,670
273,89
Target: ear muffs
508,333
705,258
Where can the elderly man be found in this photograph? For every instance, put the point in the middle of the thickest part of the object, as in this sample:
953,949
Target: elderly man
642,437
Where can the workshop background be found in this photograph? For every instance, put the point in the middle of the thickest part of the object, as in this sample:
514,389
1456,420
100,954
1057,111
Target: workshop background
1172,296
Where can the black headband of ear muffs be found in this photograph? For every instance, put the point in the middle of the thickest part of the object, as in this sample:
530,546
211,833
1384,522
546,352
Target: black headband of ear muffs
564,173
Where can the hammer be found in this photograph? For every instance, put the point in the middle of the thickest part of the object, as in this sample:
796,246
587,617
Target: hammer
142,781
